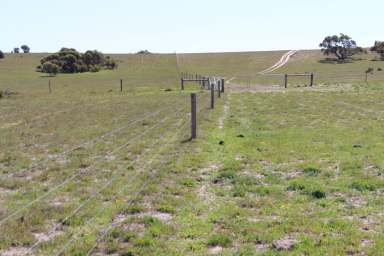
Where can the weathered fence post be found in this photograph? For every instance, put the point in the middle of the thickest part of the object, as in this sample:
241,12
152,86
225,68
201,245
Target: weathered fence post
286,80
182,84
49,87
193,116
312,79
212,96
121,85
219,88
222,85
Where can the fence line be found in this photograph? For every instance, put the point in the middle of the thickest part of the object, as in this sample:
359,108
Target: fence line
113,225
95,194
60,185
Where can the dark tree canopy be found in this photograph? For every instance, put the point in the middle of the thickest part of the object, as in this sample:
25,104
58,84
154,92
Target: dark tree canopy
25,48
68,60
1,55
144,52
343,47
379,48
16,50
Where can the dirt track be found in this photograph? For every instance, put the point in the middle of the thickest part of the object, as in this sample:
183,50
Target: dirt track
284,60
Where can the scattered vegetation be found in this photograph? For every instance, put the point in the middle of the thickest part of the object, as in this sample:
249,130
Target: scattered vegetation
16,50
68,60
1,55
379,48
342,46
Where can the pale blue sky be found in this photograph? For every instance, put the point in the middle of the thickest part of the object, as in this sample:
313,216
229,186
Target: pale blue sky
118,26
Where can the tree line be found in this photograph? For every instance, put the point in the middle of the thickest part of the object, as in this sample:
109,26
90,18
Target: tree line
69,60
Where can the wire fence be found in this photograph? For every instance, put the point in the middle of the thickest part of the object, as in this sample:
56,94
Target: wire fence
170,121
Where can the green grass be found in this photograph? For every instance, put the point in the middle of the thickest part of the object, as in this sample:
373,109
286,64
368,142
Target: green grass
304,165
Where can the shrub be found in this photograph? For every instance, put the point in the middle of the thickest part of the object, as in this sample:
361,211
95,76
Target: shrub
2,55
110,63
69,60
225,175
311,171
50,68
296,186
318,193
220,240
94,68
16,50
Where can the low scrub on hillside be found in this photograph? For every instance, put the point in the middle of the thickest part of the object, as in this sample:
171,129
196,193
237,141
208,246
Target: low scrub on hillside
69,60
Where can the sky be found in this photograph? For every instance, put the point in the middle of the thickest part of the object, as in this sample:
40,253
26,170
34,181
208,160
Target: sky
168,26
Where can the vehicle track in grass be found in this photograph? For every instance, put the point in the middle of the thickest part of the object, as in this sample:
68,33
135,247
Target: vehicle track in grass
282,62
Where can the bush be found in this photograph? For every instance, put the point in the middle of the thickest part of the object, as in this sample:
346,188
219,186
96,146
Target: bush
2,55
318,194
225,175
69,60
110,63
50,68
219,240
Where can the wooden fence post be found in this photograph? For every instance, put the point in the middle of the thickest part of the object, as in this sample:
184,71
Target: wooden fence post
212,96
222,85
219,88
312,78
193,116
182,84
121,85
286,80
49,87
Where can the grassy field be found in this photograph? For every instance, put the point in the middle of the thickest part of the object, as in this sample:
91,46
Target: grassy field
88,170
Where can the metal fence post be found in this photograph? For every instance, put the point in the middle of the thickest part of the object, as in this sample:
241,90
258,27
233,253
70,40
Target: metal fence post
193,116
182,84
49,86
212,96
286,80
219,88
121,85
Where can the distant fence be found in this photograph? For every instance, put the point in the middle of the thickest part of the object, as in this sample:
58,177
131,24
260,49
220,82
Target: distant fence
216,86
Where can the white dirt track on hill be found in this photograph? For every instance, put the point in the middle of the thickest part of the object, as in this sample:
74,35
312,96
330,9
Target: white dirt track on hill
284,60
